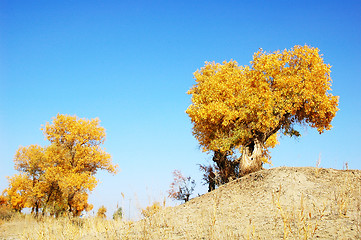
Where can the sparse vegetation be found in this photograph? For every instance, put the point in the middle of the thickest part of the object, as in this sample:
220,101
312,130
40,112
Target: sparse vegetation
301,222
182,187
280,203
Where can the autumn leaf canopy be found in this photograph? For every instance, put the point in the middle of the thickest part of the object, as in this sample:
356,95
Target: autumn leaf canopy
233,105
58,178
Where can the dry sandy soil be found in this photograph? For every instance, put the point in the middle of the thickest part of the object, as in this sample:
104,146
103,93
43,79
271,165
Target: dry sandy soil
285,202
279,203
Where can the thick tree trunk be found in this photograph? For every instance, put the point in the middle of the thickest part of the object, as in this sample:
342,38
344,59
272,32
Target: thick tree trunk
251,159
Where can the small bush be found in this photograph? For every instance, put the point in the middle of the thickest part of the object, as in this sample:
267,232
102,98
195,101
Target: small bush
6,213
152,209
182,187
102,212
118,214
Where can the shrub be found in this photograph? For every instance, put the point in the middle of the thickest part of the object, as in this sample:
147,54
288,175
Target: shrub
182,187
118,214
6,213
152,209
102,212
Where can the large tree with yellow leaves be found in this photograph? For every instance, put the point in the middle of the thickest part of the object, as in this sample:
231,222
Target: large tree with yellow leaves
236,107
58,178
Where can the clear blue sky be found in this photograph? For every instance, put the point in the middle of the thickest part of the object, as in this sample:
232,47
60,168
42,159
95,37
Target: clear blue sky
130,63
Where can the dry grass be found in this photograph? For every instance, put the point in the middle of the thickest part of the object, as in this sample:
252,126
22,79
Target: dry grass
281,203
5,214
301,222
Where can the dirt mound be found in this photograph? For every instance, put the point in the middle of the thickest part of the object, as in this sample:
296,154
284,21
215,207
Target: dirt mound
284,202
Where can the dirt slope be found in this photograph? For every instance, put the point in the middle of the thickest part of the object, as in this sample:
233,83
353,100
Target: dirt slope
293,203
279,203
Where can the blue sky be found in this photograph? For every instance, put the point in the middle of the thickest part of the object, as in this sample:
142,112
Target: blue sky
130,63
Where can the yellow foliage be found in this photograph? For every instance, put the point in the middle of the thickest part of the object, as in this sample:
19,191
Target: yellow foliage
78,142
271,142
30,160
233,105
102,212
3,200
152,209
18,191
60,177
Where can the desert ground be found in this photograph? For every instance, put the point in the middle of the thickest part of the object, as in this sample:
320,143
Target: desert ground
277,203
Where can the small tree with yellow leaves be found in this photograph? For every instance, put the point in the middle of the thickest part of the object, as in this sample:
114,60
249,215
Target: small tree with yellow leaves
59,178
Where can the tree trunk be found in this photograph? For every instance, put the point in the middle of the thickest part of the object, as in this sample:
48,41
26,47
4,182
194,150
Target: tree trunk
36,208
251,159
50,193
211,180
227,168
70,209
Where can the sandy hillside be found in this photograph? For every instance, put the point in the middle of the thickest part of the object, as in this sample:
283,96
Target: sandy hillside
278,203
